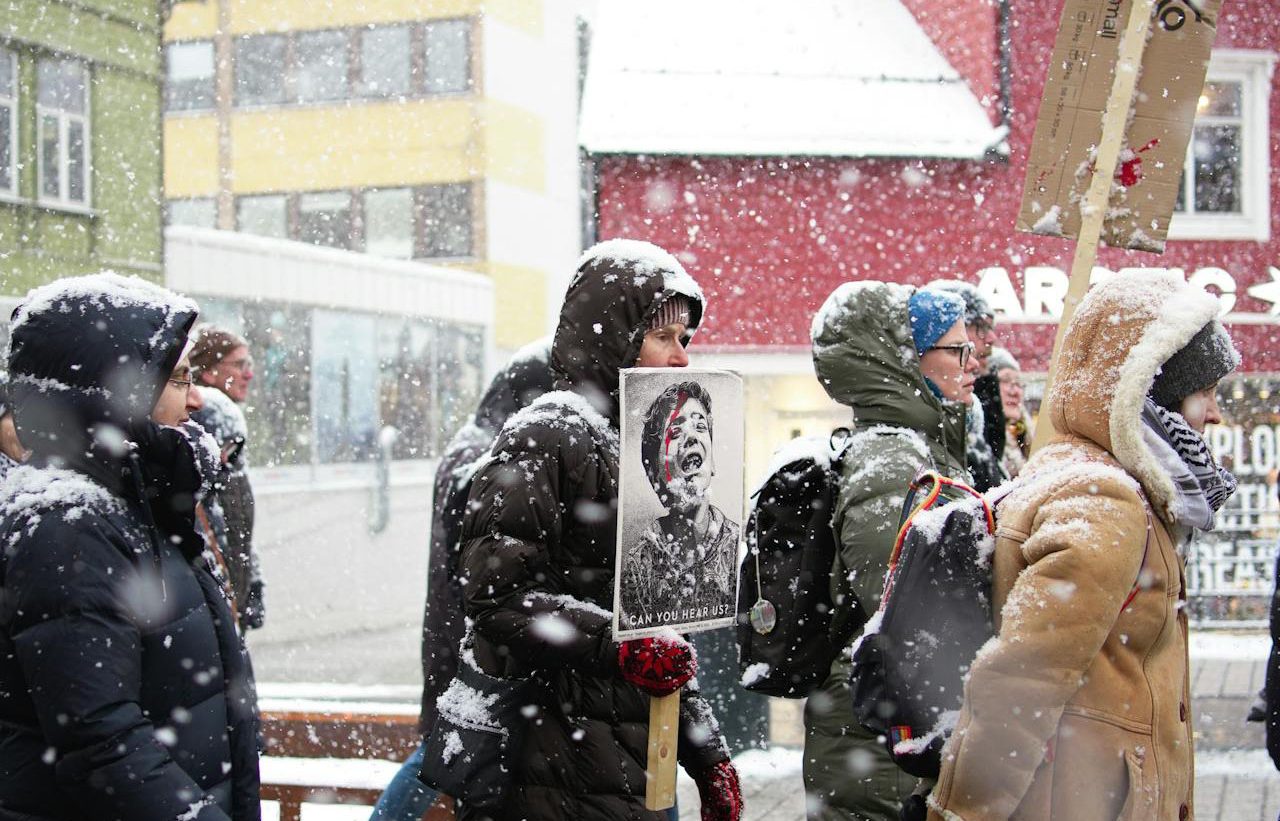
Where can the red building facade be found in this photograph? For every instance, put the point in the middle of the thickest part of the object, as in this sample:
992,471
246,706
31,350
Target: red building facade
770,237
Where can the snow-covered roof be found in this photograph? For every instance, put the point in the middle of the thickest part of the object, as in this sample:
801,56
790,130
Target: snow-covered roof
853,78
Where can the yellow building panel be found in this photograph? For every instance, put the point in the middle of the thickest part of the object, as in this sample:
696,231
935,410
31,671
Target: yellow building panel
192,21
525,15
253,16
366,145
190,156
520,298
516,143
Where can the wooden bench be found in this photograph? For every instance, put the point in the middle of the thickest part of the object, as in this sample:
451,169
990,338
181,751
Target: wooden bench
330,753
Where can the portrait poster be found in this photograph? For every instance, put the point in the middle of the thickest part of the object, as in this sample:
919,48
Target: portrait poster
681,501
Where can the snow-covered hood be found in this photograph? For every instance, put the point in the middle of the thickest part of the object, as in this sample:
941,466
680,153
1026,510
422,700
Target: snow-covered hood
864,357
89,353
526,377
1124,330
619,285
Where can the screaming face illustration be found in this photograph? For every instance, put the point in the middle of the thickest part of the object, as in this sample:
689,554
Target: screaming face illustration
676,445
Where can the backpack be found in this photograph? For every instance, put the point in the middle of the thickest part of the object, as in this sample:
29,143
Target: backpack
909,665
784,584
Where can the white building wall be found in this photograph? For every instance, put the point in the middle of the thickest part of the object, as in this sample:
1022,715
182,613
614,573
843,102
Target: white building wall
538,229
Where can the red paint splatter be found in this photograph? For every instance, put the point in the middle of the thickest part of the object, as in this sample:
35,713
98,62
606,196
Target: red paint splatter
666,445
1130,171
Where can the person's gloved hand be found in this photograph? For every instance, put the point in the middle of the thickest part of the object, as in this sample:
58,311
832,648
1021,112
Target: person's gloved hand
720,792
255,610
659,665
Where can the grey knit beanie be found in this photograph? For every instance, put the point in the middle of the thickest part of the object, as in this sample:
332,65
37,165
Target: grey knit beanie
1207,358
673,310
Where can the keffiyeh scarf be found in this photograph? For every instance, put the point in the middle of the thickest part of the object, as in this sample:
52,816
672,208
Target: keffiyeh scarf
1203,486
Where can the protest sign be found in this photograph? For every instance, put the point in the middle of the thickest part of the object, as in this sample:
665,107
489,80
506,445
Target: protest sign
1160,117
681,501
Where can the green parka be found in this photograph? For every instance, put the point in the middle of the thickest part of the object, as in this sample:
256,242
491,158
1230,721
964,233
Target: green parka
864,356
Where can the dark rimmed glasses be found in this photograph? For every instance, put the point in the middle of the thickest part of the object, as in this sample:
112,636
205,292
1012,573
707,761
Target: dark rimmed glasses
964,349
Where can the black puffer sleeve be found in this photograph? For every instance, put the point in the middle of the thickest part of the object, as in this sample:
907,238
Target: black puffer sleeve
517,512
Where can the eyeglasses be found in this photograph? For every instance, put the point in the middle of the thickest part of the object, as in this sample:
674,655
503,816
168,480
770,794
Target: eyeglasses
1012,381
180,384
965,349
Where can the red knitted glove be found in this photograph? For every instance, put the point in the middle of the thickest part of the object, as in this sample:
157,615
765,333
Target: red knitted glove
720,792
658,665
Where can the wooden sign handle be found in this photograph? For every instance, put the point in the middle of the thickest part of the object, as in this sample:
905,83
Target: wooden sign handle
1093,209
660,772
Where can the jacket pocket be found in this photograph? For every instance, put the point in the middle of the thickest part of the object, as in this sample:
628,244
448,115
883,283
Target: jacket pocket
1136,804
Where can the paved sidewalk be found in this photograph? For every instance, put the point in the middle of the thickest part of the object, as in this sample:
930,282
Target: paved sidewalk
1235,780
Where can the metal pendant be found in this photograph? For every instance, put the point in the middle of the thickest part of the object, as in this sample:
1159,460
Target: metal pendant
764,617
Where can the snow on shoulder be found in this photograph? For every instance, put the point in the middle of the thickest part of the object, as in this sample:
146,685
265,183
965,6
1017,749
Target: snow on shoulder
816,449
31,491
106,288
561,410
645,259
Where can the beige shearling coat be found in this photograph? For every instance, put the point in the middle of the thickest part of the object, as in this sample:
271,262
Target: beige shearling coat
1078,708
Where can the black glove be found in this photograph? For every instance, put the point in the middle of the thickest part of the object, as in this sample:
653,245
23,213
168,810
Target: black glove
255,611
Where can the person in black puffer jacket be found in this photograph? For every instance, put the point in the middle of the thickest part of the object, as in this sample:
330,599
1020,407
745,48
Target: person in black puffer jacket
526,377
125,689
538,558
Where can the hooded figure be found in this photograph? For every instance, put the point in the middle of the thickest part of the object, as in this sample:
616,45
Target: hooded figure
539,552
865,345
1079,708
125,690
526,377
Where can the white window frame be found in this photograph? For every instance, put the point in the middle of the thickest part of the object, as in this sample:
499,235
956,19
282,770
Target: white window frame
1253,71
12,103
65,120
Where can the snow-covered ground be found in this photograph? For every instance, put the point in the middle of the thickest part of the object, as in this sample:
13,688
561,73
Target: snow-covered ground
1230,646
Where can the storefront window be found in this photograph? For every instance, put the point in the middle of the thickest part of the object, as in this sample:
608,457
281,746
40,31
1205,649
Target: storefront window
1229,572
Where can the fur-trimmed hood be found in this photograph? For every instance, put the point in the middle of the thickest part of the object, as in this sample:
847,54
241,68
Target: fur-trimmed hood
1123,332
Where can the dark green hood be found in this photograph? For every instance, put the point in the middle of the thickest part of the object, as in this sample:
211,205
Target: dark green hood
864,358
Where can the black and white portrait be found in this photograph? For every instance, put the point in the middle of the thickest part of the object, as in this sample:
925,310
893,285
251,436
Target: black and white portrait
680,521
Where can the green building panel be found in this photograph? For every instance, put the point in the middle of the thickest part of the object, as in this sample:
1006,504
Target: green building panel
119,43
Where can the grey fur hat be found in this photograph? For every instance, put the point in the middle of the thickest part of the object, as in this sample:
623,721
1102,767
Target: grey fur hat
1199,364
976,306
999,359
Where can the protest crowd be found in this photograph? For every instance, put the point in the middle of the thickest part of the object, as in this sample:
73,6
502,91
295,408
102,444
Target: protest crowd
129,576
979,592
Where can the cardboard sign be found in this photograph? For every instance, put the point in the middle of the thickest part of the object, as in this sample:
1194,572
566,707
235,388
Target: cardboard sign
680,501
1069,125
